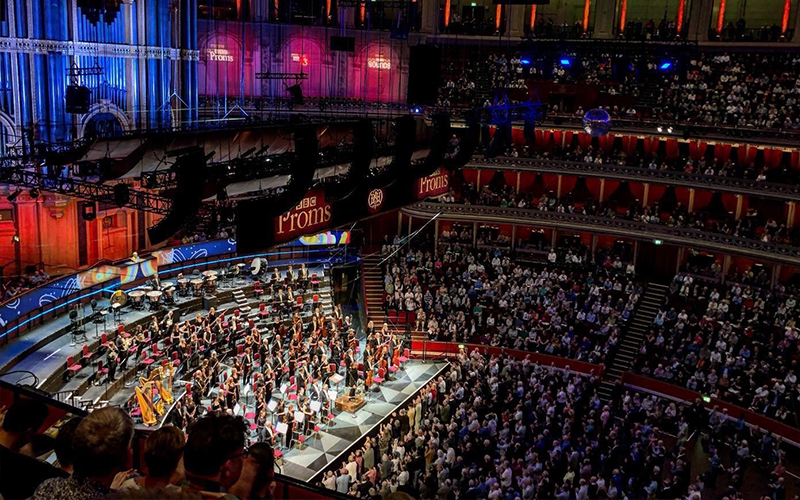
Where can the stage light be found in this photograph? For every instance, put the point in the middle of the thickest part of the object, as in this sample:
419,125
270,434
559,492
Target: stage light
34,193
669,130
13,196
659,129
416,110
666,65
525,61
15,239
657,242
565,62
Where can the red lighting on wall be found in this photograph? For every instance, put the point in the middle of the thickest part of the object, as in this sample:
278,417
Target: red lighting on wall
586,6
327,9
787,9
721,16
362,12
498,14
623,11
533,15
446,13
679,23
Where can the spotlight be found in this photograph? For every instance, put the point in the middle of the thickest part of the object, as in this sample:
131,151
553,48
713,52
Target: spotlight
669,130
15,239
416,110
565,62
13,196
525,61
666,65
659,129
34,193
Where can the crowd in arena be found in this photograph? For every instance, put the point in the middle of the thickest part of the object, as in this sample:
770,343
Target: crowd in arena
757,90
672,213
465,295
736,342
16,285
497,427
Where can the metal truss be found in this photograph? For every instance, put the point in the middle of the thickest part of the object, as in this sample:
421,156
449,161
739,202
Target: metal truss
85,190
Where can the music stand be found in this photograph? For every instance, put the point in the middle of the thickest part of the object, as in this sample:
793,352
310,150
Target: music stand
282,428
76,333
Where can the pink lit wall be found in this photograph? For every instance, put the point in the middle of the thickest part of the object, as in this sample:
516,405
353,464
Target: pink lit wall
232,53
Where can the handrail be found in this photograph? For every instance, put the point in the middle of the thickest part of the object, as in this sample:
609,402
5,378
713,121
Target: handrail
772,190
450,349
756,249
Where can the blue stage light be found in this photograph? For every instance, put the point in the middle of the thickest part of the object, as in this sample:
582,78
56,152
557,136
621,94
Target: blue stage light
666,65
565,62
525,61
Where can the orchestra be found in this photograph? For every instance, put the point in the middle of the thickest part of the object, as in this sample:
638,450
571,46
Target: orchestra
281,364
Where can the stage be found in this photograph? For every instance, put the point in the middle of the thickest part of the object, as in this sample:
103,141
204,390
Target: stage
333,441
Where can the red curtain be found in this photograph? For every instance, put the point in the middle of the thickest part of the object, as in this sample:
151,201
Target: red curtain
518,136
568,135
650,145
672,148
746,154
568,183
722,152
607,142
697,149
558,136
629,144
538,134
796,160
593,185
585,140
773,157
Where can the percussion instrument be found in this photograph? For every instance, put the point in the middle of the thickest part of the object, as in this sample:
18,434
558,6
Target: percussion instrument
155,299
211,284
197,286
210,273
183,287
137,298
169,295
117,300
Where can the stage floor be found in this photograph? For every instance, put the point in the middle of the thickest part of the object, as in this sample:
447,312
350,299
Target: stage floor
334,440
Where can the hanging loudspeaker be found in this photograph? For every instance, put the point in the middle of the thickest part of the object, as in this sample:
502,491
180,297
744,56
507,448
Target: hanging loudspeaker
88,210
122,194
78,98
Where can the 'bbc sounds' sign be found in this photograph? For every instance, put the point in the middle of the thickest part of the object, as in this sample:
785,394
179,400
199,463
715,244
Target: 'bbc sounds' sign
433,185
311,214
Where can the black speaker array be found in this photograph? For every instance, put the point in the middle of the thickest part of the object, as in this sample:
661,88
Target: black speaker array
441,136
404,139
424,74
363,152
88,210
190,179
469,143
78,99
251,215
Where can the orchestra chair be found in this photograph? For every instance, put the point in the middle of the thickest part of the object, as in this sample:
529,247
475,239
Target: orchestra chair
301,441
239,352
256,364
72,367
404,358
85,354
101,370
146,362
278,454
329,420
315,432
263,313
121,331
378,380
175,361
393,369
104,340
258,289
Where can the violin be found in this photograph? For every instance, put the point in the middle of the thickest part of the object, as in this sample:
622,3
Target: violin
368,381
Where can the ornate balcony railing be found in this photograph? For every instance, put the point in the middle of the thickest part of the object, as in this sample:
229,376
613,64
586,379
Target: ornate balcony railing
681,236
773,190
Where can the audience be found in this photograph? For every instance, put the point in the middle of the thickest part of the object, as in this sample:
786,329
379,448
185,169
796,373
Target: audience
466,295
735,342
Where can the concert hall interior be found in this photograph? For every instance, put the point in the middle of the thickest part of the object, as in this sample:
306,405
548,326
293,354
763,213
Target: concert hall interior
435,249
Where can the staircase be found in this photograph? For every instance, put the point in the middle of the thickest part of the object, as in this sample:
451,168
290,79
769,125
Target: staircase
373,289
646,310
483,85
648,98
241,300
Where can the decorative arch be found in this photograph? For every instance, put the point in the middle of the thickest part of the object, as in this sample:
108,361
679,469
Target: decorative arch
104,107
6,131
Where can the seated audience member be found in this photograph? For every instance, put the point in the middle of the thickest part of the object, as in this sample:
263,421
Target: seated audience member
21,474
163,459
64,450
215,453
102,450
261,461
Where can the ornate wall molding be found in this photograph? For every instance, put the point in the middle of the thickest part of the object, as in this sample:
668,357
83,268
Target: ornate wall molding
734,185
41,46
694,238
